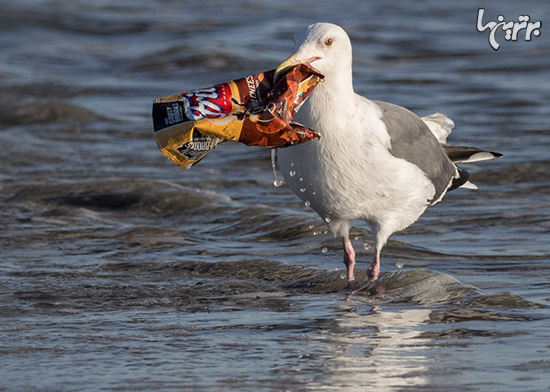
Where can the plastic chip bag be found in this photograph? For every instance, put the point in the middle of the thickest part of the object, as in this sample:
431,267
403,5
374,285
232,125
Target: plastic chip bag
251,110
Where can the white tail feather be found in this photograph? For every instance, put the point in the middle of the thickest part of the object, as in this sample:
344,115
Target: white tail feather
440,125
468,185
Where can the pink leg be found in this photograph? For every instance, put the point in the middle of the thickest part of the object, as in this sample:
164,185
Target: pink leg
374,270
349,261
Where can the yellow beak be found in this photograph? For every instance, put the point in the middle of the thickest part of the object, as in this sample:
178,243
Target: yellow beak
285,66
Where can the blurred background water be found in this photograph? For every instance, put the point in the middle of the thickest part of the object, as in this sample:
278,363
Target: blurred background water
121,272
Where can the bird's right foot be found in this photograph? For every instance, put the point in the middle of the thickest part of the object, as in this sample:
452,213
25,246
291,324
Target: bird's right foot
373,287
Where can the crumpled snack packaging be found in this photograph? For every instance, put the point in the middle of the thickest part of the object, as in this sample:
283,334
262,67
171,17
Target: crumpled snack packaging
253,110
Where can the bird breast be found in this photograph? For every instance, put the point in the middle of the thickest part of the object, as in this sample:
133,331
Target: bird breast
349,173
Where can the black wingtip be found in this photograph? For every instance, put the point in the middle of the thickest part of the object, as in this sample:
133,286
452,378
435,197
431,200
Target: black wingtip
463,154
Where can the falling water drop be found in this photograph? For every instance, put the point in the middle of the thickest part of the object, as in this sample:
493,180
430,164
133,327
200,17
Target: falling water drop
301,179
311,226
302,190
327,219
292,173
400,264
324,250
278,181
366,246
307,203
356,238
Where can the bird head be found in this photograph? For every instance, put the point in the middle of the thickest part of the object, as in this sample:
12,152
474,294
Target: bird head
325,46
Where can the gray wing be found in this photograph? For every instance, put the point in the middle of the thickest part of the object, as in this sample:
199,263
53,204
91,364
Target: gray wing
412,140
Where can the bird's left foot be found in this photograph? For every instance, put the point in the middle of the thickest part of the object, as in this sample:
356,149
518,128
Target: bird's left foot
352,285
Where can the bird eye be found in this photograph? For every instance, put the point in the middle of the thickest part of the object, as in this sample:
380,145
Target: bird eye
329,41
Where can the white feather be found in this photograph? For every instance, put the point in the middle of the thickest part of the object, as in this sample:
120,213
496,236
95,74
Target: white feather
440,125
478,157
469,185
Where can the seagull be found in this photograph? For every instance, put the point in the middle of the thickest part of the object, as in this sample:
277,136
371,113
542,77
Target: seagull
375,161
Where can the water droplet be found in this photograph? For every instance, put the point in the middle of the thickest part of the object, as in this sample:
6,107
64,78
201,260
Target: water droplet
313,193
301,179
342,276
278,182
315,232
366,246
356,238
292,173
325,232
311,226
327,219
302,190
307,203
324,250
291,163
400,264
